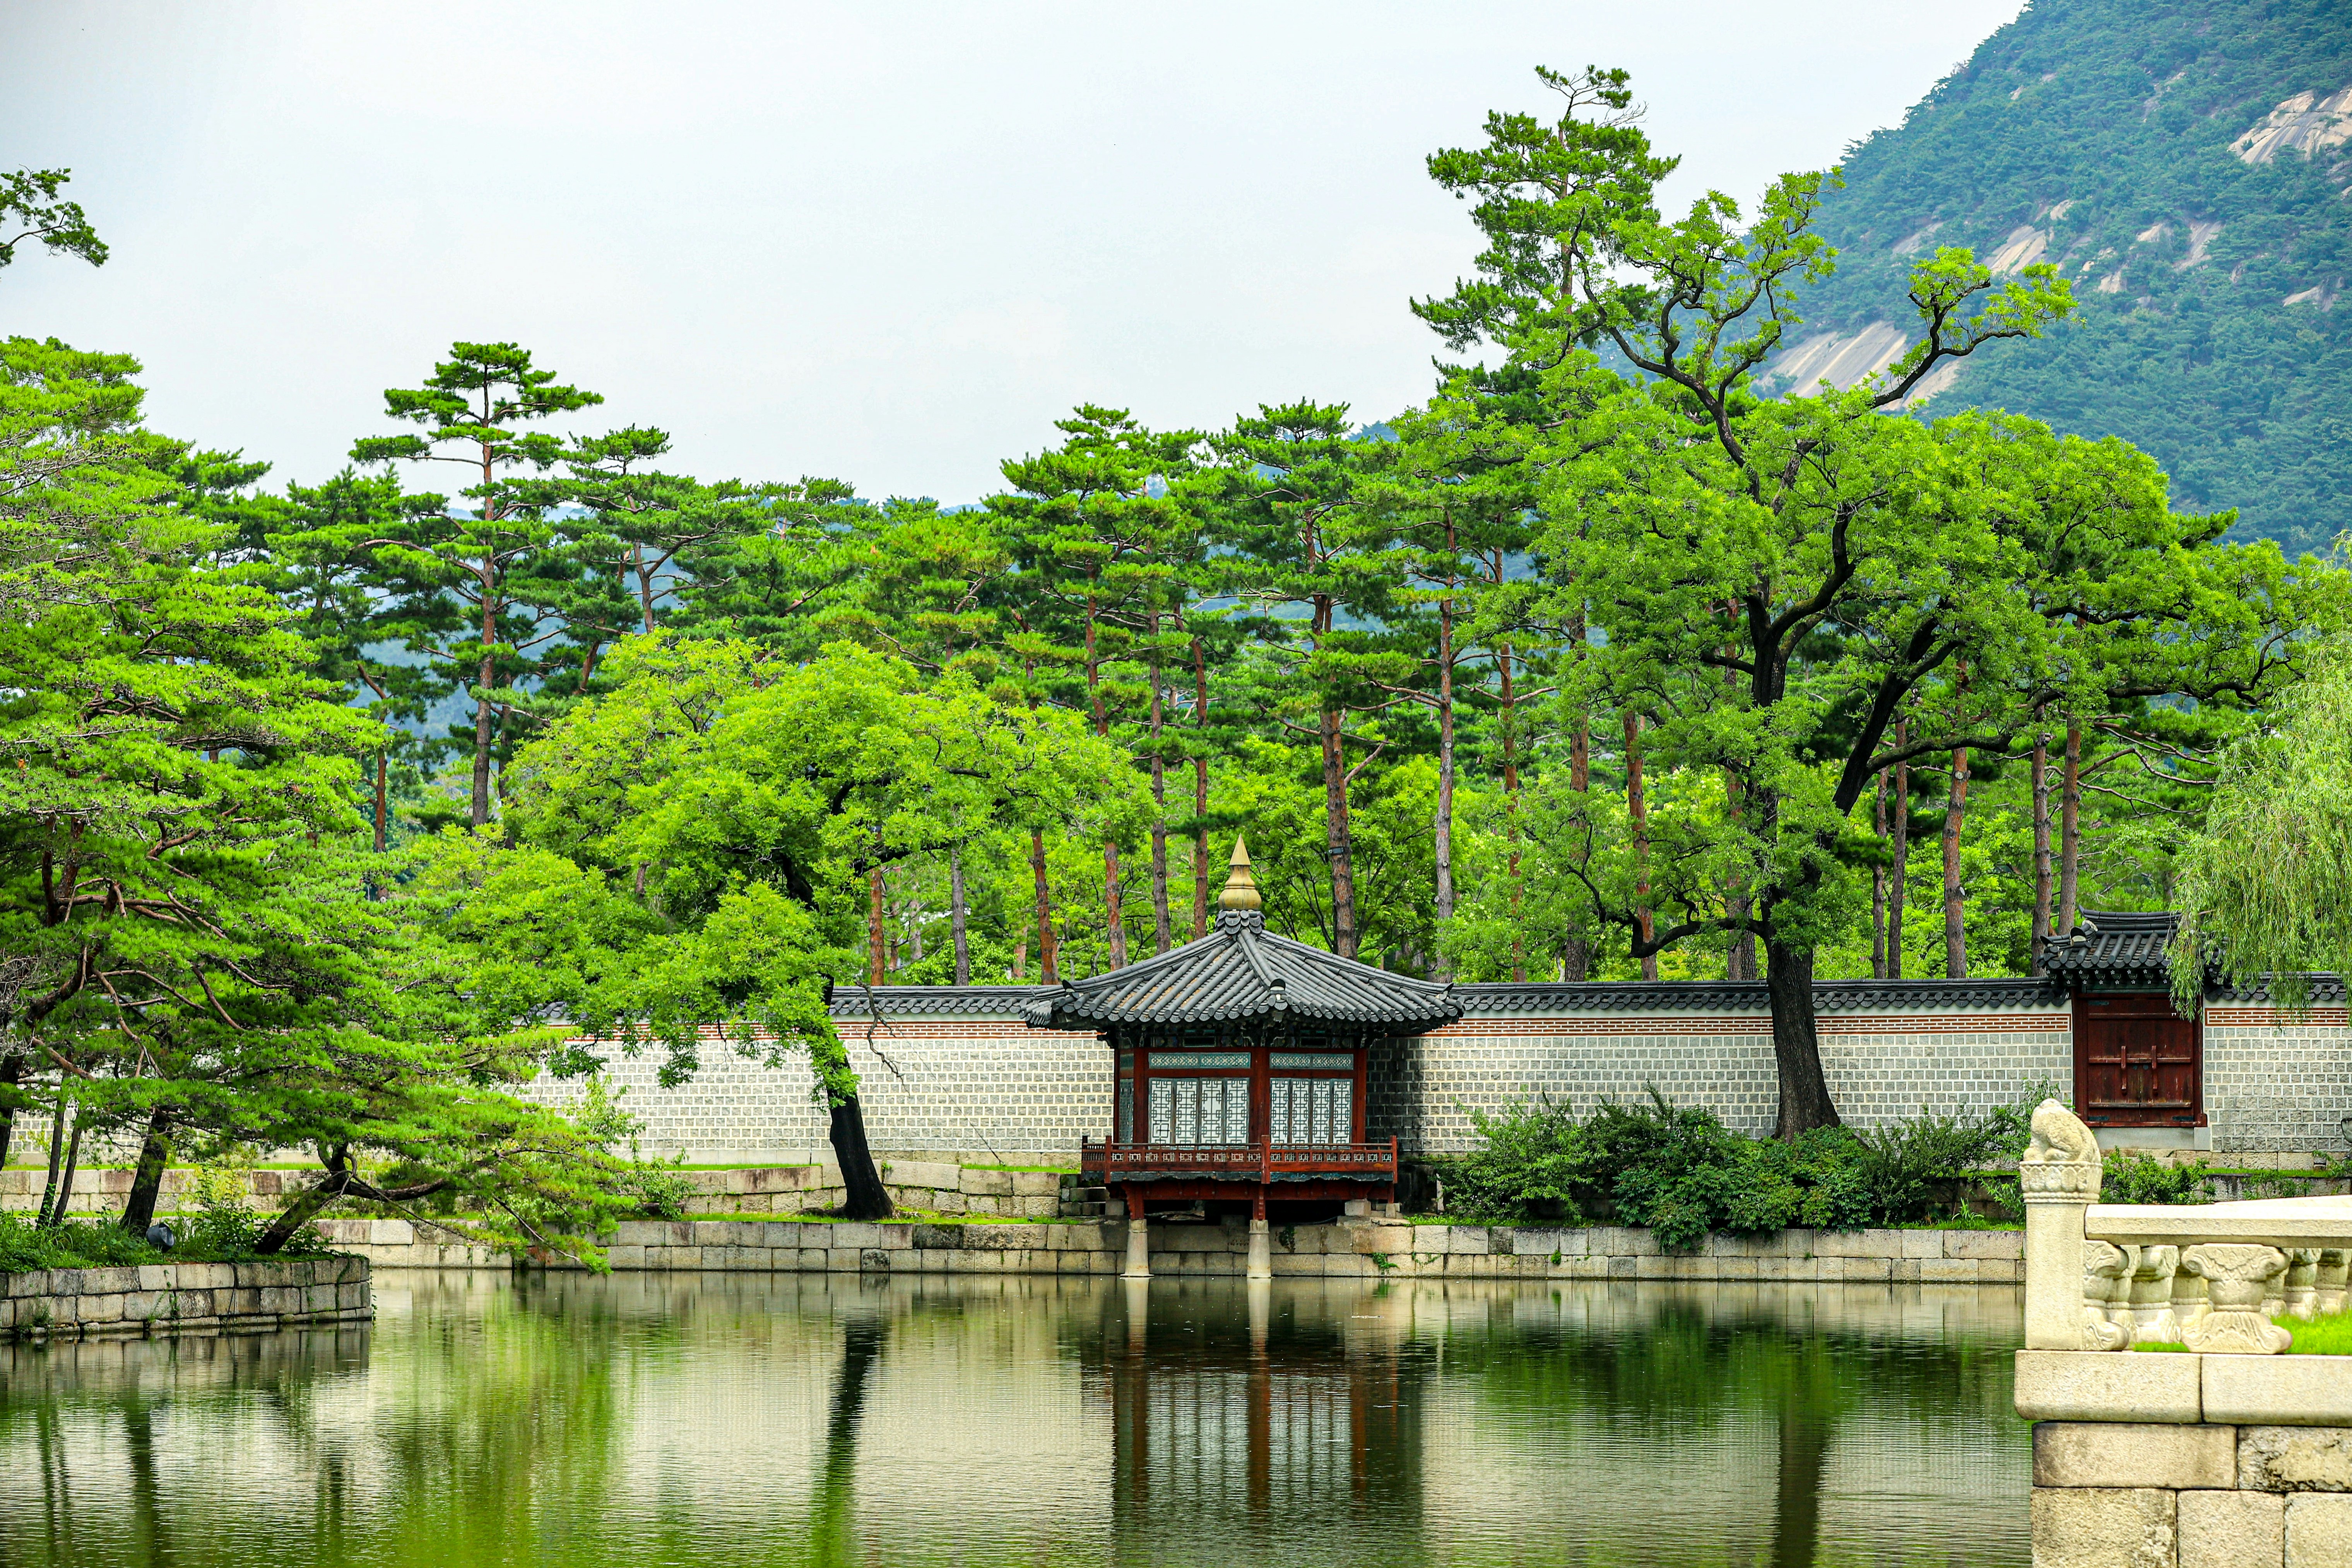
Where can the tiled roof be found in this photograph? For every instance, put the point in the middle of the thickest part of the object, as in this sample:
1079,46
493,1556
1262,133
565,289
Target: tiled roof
2324,991
932,1001
1740,996
1238,971
2115,949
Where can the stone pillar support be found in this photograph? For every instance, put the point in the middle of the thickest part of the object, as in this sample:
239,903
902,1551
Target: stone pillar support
1261,1251
2060,1175
1139,1241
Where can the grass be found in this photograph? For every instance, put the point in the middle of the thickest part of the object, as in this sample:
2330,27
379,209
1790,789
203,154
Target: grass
2330,1335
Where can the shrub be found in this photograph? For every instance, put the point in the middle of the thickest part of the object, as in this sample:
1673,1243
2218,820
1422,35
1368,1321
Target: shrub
1679,1171
2130,1178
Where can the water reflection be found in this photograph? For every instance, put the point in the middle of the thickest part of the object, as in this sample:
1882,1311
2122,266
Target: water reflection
727,1418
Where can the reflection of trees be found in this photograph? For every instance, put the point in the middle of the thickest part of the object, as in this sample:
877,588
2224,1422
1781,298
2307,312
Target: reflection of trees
830,1524
1680,1364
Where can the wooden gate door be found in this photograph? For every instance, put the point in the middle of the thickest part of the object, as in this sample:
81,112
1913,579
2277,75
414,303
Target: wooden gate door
2138,1063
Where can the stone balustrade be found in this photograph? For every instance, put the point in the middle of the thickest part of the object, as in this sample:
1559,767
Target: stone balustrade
2231,1454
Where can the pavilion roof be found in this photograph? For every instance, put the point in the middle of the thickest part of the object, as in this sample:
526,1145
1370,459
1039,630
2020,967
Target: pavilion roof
1241,971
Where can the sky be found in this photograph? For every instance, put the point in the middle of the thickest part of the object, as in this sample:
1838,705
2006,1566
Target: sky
885,243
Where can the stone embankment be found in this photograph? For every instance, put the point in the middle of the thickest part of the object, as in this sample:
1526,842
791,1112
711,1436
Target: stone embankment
931,1186
183,1298
1367,1247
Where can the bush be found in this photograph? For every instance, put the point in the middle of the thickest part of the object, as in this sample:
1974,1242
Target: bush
2130,1178
1679,1171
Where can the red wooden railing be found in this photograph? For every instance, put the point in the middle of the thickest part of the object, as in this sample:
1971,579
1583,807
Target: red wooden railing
1238,1161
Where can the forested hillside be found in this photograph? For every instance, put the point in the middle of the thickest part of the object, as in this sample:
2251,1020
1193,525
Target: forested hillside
2185,165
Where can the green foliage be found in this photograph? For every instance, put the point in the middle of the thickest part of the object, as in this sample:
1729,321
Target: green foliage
2266,886
29,205
1681,1172
2126,1177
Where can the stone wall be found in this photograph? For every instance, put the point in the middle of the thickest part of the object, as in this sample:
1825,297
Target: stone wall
183,1298
2275,1084
1882,1067
980,1088
2188,1461
1365,1249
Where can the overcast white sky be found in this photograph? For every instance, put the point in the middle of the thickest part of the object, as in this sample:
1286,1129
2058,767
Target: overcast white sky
888,243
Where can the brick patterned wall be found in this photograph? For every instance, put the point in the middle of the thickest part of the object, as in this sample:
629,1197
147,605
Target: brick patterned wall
992,1088
2275,1084
1879,1069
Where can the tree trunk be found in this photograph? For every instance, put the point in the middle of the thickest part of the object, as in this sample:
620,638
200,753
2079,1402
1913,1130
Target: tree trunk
1739,954
1200,794
863,1197
57,1120
1160,937
486,675
1638,810
382,767
1956,806
73,1161
305,1208
2040,844
1878,893
956,915
1576,953
2069,842
874,952
1114,921
11,1073
1796,1041
1511,808
1898,888
1335,827
1442,830
1020,957
147,1181
1045,974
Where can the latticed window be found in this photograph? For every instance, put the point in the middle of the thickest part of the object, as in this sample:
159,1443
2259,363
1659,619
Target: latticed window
1192,1110
1313,1110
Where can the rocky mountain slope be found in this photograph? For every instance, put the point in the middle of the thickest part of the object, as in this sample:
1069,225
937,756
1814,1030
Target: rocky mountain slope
2186,164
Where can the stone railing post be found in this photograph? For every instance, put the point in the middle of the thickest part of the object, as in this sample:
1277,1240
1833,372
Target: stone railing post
2059,1178
2328,1280
2153,1321
2239,1280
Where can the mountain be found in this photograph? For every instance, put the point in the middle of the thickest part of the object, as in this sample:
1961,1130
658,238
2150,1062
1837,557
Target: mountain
2186,164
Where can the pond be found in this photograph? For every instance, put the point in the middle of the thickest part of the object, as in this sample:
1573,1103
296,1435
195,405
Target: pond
722,1419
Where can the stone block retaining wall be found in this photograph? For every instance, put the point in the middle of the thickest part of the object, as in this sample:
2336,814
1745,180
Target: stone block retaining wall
2188,1461
183,1298
1347,1247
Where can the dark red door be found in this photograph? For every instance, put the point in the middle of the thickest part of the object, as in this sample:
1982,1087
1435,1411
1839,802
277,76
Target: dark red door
2138,1063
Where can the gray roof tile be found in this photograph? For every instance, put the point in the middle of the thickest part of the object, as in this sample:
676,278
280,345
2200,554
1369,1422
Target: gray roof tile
2114,948
1240,970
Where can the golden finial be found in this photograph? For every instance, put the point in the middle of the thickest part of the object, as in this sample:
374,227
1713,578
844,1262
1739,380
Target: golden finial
1241,887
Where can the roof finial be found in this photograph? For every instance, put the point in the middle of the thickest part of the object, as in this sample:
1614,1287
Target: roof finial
1241,887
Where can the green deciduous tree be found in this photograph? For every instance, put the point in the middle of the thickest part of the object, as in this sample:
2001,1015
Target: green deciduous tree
763,796
2264,888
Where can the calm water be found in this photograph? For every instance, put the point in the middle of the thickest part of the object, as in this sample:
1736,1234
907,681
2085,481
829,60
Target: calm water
728,1419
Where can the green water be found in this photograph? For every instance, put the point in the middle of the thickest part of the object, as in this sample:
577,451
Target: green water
722,1419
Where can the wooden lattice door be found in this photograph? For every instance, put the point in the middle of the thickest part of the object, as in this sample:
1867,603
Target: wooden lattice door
2138,1063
